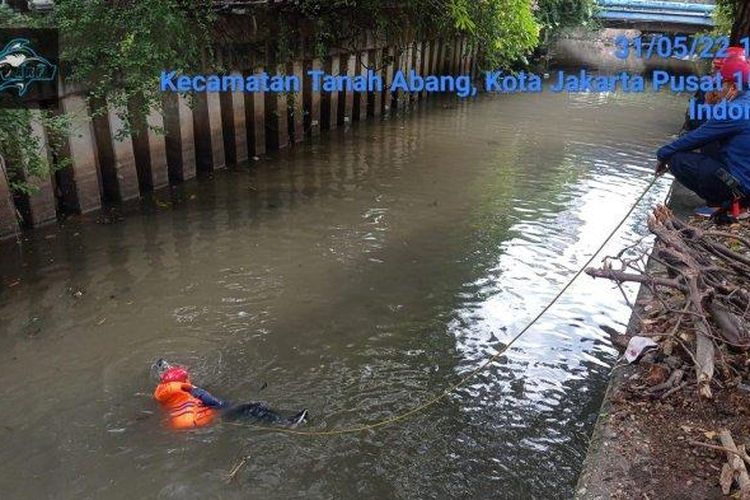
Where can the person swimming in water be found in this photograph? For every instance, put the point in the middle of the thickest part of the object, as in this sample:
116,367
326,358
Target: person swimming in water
190,406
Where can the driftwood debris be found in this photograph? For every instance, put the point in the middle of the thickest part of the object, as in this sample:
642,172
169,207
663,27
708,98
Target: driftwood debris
700,296
734,469
232,474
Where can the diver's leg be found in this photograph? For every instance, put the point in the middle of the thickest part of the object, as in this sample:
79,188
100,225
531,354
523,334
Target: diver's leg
253,411
297,419
261,412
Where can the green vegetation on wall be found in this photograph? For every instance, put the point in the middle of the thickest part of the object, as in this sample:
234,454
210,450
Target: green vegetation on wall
21,155
724,17
116,50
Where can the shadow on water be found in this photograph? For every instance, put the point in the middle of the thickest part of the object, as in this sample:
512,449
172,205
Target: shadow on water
357,276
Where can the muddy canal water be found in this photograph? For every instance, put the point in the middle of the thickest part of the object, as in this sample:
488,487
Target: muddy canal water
357,277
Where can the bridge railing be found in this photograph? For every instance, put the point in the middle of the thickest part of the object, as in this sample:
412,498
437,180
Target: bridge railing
655,11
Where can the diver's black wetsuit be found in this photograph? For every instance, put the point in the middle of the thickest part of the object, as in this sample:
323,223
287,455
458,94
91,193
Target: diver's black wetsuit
253,411
258,411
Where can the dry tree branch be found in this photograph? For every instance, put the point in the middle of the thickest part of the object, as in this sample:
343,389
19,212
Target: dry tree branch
705,277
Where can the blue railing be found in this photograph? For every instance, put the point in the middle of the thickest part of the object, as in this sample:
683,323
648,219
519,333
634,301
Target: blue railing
655,11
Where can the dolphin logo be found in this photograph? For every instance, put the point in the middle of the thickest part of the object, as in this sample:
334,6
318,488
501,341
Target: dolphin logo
20,66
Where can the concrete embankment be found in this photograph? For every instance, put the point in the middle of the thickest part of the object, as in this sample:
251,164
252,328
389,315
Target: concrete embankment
210,131
609,465
625,456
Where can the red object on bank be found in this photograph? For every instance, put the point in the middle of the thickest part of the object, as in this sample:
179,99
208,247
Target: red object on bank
736,208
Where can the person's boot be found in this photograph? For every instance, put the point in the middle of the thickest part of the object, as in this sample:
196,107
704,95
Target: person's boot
298,419
706,211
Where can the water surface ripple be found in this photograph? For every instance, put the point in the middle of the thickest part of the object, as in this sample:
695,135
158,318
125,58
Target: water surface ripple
357,276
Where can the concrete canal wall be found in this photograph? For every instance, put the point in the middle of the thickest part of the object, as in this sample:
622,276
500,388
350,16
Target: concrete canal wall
211,131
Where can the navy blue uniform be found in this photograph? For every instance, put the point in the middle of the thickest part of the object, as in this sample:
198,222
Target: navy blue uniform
697,171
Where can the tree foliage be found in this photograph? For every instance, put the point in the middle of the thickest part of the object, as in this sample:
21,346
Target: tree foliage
723,18
556,15
113,50
21,152
116,50
507,30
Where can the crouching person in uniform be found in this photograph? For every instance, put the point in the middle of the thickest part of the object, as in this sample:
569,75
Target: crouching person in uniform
189,406
724,176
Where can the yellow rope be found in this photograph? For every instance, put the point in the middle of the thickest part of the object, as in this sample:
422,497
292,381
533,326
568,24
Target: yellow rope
450,389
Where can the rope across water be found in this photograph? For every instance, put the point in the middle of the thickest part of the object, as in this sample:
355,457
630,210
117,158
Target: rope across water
425,405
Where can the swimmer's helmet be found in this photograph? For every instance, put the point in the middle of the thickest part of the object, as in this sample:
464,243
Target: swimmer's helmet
175,374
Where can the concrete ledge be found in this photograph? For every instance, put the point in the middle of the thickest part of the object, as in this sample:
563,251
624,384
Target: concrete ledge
610,465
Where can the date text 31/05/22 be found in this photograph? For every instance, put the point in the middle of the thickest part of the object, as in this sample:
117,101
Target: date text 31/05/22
678,46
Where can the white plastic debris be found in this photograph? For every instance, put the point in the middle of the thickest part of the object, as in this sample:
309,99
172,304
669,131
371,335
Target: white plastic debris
637,346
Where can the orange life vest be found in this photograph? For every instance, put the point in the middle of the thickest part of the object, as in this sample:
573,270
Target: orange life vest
185,411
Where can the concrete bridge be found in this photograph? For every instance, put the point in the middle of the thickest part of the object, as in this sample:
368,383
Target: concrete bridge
657,15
